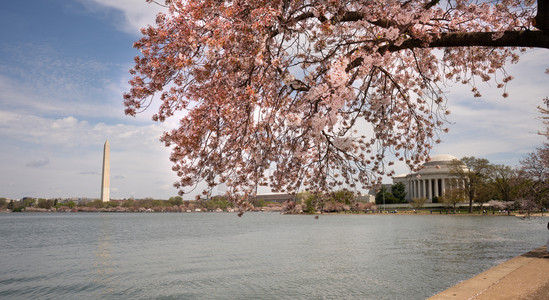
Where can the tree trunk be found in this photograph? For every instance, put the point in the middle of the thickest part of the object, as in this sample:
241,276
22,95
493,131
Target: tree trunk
541,21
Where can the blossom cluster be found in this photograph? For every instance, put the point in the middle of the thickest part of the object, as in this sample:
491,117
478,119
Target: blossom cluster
311,94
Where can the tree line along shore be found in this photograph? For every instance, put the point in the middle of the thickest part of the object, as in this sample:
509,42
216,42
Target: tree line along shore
306,203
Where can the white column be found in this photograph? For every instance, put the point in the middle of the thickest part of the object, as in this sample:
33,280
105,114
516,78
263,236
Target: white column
443,187
410,195
436,188
410,189
419,188
429,194
424,189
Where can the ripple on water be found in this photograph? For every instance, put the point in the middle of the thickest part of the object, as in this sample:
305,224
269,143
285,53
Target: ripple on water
220,256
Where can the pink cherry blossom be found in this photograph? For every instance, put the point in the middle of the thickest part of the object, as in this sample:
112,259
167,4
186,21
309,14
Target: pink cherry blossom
315,94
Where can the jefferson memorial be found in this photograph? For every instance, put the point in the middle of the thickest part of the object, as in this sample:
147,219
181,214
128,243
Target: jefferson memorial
432,180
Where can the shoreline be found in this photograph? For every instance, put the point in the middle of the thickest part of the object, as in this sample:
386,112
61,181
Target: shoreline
523,277
388,213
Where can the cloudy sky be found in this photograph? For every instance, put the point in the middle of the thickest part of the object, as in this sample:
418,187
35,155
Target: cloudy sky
64,66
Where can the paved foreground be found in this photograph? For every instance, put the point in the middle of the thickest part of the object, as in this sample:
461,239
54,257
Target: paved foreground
523,277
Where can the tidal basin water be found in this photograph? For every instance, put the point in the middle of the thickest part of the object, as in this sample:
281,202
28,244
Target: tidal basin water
258,256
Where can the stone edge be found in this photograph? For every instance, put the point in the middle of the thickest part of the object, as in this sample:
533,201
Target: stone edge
523,277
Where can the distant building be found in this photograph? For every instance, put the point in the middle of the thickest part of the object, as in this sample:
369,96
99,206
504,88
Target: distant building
387,186
282,197
370,197
276,197
432,180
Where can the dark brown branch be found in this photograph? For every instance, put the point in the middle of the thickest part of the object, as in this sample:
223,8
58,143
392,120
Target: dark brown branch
541,21
529,39
431,4
535,39
353,16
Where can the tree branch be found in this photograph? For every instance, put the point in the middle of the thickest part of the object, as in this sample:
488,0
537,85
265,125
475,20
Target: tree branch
535,39
541,21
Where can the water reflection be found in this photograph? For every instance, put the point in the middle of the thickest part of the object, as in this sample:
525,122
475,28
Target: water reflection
104,265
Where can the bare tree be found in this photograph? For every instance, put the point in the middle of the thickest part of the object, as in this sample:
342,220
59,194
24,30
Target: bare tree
534,177
501,177
471,173
452,197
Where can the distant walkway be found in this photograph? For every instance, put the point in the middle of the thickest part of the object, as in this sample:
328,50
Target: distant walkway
523,277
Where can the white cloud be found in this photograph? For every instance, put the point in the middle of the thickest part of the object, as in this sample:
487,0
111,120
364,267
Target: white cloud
491,124
57,109
69,132
72,158
51,104
38,163
137,13
499,129
57,93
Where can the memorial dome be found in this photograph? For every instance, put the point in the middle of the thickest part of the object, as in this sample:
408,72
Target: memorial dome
437,164
431,180
442,157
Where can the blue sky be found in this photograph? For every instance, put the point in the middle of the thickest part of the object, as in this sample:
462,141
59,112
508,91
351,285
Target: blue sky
64,66
63,69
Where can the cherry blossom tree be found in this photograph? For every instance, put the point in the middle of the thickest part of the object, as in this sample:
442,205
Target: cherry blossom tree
318,94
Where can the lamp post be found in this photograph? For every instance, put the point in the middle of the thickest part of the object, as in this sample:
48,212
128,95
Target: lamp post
383,197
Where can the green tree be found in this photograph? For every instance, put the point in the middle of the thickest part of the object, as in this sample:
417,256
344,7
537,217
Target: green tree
418,203
485,192
43,203
110,204
222,203
28,202
259,202
385,197
399,192
129,203
343,196
158,203
471,173
3,202
215,203
452,197
97,203
177,200
309,201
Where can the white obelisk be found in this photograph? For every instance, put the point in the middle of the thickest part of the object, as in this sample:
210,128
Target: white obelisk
105,181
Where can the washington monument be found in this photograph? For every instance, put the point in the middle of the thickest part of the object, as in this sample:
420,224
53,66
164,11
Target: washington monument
105,180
